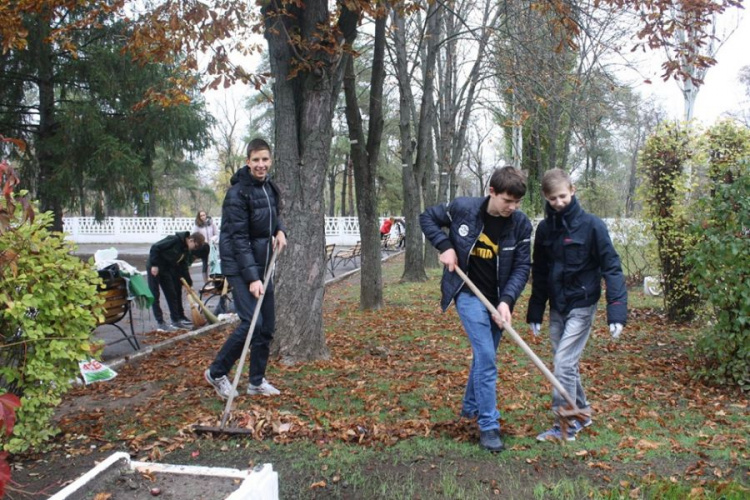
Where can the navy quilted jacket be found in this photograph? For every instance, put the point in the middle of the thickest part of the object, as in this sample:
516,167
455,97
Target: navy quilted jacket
463,218
249,218
572,252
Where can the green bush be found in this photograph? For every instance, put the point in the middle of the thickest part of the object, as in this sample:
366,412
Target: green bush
721,258
48,308
665,164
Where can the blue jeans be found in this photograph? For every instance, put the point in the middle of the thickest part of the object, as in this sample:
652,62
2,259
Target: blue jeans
260,344
480,397
569,334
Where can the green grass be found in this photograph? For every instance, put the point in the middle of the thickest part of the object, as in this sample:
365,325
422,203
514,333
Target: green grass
402,369
438,468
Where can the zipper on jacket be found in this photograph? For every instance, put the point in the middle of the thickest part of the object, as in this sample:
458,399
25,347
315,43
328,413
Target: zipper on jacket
270,226
497,273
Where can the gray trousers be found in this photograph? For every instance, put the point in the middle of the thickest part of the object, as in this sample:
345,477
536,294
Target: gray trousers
569,334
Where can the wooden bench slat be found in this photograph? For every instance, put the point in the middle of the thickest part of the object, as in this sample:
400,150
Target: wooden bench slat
116,298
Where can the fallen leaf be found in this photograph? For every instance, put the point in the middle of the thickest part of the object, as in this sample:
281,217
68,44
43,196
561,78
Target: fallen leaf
645,444
319,484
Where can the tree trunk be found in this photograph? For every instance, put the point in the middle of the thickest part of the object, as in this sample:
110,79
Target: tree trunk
49,197
365,161
350,188
332,192
411,177
303,112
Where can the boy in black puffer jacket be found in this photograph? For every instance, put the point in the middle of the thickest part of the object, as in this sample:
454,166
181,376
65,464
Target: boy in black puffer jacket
250,231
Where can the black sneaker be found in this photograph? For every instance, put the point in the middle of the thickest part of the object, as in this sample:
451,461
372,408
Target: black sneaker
181,325
490,440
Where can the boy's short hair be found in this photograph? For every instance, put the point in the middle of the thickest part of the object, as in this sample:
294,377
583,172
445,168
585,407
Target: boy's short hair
257,144
198,239
554,178
508,180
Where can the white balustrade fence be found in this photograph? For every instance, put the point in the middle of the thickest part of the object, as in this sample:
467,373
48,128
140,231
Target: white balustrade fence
338,230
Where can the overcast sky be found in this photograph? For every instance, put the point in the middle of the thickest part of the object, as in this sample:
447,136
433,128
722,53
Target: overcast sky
721,91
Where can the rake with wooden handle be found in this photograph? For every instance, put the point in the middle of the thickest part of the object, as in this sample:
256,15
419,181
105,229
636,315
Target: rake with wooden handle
198,319
222,429
572,411
211,317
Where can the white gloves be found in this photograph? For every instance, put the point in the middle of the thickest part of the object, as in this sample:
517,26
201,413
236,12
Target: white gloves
615,329
535,328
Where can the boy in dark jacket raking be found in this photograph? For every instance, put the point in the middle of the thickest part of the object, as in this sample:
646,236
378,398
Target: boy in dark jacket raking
572,253
489,239
169,260
250,230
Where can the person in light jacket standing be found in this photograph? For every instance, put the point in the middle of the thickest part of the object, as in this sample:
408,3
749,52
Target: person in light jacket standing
207,227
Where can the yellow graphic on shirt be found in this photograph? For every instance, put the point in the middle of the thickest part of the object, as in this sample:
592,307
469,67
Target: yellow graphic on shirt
485,248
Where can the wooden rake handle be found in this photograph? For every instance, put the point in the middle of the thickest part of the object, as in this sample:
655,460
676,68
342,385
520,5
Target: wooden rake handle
518,340
241,364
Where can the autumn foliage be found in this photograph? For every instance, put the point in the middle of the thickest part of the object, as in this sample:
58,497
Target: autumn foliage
169,31
48,308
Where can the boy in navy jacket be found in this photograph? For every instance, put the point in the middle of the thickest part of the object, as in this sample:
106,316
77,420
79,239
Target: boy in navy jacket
572,253
490,241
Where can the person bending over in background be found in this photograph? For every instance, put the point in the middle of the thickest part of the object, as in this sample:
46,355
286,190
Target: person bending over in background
169,260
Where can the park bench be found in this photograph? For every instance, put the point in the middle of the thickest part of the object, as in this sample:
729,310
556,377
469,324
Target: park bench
347,255
329,257
117,304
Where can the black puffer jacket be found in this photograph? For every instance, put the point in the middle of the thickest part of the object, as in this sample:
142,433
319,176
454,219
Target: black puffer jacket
572,251
463,217
249,218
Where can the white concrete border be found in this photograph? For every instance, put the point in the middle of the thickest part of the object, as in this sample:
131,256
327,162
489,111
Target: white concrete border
262,483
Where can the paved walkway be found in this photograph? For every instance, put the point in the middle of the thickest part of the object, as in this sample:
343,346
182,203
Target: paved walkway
144,324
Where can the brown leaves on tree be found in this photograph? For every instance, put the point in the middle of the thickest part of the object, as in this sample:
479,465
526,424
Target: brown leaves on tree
174,32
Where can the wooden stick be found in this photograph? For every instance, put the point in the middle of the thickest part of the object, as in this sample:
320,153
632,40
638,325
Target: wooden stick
240,365
523,345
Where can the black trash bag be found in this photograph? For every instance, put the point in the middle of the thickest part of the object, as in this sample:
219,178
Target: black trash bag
109,273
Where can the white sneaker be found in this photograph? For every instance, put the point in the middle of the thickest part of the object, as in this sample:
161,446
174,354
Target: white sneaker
265,388
221,384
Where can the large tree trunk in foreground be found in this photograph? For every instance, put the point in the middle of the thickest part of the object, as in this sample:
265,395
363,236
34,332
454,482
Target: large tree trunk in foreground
303,112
